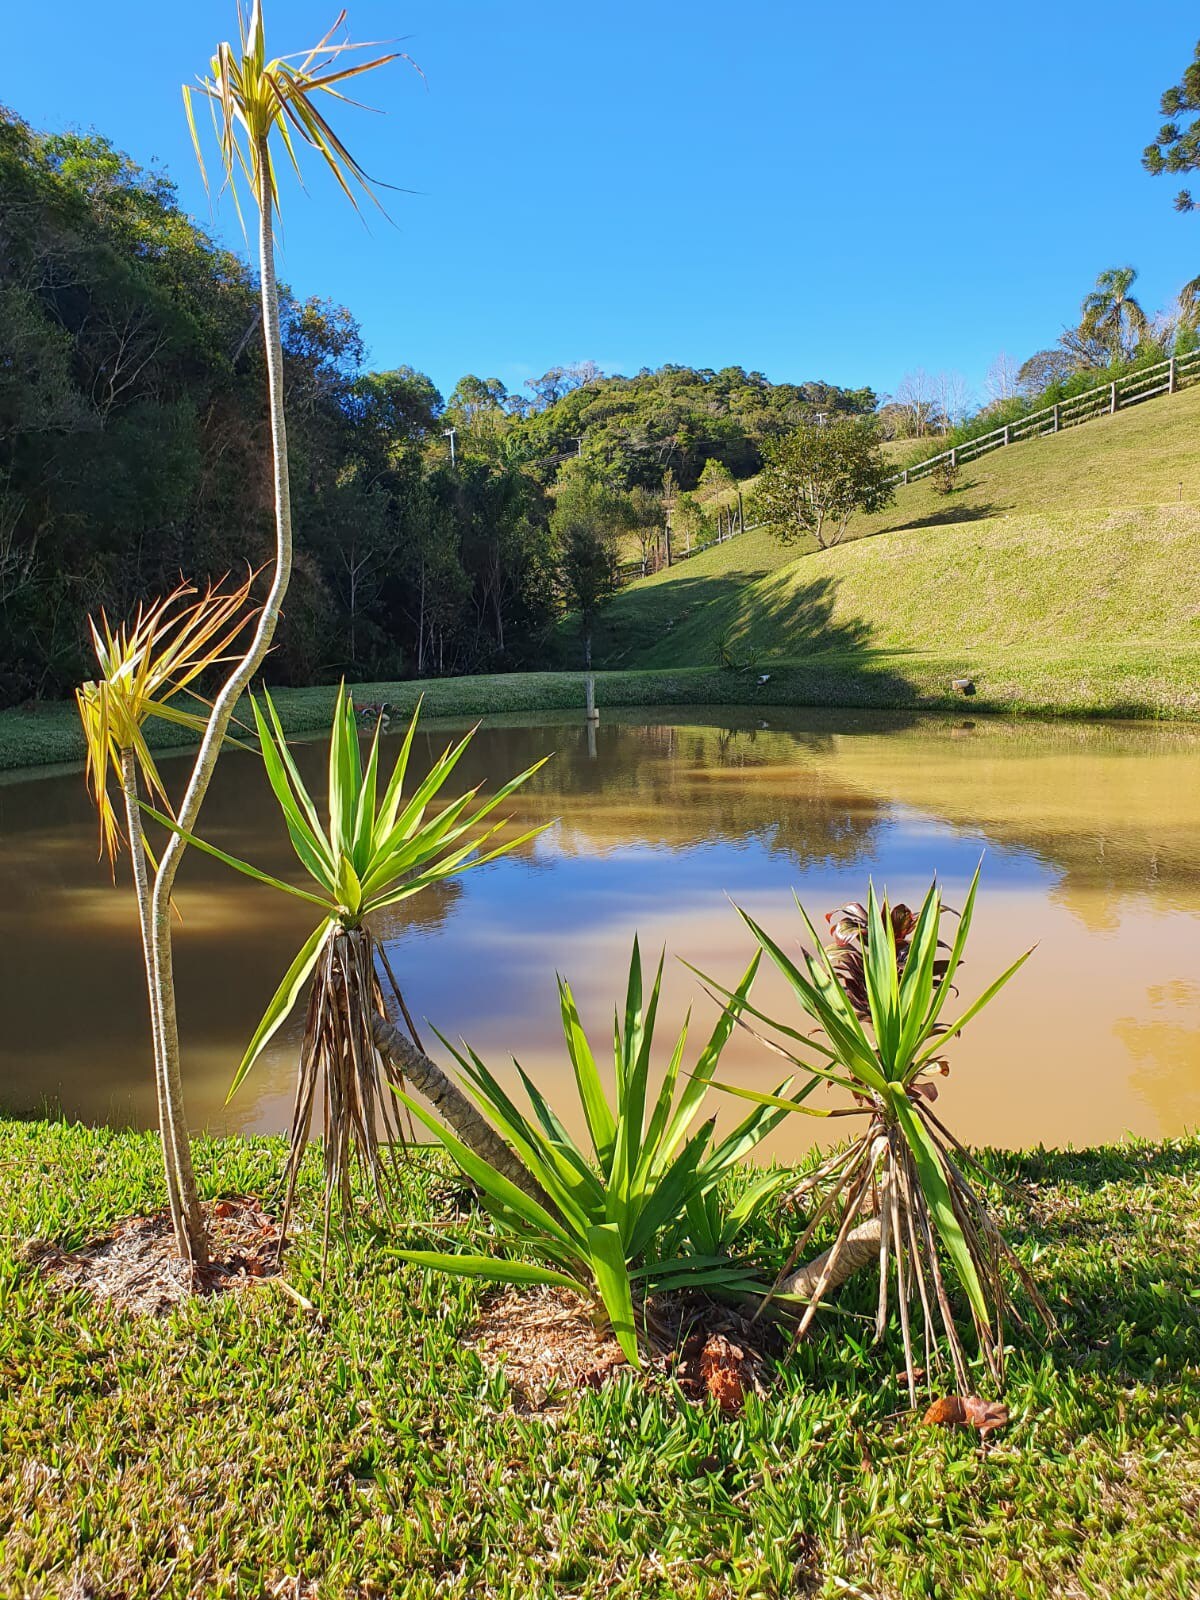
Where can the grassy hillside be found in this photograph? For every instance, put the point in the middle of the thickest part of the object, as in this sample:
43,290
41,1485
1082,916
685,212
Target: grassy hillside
1066,544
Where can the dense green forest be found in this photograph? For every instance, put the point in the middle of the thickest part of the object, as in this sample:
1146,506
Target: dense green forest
434,535
134,447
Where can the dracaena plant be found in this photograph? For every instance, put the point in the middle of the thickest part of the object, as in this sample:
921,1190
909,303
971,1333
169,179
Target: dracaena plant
904,1190
638,1211
148,671
377,846
257,102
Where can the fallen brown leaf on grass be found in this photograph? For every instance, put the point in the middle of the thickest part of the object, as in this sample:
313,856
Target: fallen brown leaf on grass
722,1366
967,1411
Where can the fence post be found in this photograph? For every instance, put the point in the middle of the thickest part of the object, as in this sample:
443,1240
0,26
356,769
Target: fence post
1171,377
1056,417
953,456
1112,400
1006,433
906,477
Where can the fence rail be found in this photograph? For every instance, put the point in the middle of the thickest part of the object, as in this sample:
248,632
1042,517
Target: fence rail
1164,377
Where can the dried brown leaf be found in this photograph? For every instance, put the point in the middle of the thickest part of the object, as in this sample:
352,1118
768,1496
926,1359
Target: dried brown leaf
722,1366
967,1411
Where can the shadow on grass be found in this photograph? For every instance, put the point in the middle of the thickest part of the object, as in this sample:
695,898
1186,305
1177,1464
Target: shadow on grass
1095,1167
699,621
946,516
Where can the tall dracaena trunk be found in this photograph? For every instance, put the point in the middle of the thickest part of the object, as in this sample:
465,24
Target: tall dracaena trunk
141,886
181,1179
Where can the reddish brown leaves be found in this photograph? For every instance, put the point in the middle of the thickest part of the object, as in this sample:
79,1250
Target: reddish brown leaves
723,1369
967,1411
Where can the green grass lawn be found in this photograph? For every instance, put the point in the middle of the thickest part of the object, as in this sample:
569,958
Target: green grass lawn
243,1447
1139,680
1077,544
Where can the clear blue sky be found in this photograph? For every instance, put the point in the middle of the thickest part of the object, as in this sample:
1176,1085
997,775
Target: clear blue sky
841,191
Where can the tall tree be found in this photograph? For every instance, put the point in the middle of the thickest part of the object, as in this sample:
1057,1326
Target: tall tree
586,521
1112,314
819,476
254,101
1177,149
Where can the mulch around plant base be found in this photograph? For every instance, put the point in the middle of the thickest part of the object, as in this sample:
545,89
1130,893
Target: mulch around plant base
546,1343
134,1267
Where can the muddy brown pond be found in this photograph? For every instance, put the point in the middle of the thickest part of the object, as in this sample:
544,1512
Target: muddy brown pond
1090,837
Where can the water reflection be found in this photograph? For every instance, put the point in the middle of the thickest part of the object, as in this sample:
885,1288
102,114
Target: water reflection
1090,834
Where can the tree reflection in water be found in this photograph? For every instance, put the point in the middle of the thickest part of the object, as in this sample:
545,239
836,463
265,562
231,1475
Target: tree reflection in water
1089,832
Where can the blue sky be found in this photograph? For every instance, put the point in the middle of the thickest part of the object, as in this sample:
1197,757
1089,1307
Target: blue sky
835,191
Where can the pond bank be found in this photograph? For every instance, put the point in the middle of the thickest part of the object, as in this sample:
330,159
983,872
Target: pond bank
1128,682
243,1445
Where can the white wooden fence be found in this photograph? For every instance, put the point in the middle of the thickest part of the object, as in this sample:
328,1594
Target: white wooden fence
1164,377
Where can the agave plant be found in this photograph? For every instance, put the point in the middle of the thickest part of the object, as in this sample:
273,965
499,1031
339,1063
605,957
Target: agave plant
642,1211
878,996
374,850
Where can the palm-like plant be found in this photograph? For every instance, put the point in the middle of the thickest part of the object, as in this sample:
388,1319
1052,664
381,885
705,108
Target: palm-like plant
878,996
146,669
1112,314
254,101
374,850
643,1211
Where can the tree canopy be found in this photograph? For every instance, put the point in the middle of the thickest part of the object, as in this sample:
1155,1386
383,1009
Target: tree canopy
819,476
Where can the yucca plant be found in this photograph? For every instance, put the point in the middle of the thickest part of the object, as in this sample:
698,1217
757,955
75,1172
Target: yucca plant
878,996
612,1224
373,850
148,670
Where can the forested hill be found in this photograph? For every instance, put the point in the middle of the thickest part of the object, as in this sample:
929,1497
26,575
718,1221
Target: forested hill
676,418
134,446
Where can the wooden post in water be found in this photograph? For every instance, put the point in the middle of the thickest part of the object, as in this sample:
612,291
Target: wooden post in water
589,689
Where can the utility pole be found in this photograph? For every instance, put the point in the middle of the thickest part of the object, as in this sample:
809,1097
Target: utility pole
449,433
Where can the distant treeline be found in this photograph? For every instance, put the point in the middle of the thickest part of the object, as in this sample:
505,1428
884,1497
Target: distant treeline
134,445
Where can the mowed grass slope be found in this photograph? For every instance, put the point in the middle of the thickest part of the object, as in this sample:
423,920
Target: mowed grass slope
1080,544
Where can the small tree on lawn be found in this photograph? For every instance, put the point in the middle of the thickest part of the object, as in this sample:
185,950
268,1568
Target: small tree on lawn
688,521
647,520
819,476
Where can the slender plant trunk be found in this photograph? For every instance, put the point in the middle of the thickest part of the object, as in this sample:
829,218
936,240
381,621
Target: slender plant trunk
448,1100
141,885
185,1209
860,1250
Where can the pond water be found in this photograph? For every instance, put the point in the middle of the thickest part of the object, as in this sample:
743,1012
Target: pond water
1091,845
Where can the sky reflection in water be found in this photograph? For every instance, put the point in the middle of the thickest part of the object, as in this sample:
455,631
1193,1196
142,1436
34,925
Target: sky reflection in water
1090,839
